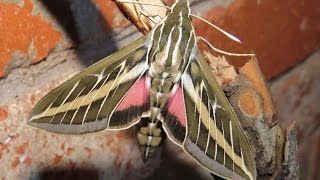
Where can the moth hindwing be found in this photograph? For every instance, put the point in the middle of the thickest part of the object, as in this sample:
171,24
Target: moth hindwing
161,82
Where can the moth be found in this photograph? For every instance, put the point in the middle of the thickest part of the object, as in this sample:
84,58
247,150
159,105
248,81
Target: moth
162,84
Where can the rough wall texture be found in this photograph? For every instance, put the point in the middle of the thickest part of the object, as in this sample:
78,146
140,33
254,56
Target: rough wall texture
30,30
281,33
297,94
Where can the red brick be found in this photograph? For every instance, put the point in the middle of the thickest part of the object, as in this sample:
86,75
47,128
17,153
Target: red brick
280,33
70,151
248,103
22,148
27,161
252,73
57,159
108,11
22,32
3,113
15,163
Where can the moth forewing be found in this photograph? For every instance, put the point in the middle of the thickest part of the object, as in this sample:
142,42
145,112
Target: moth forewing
212,134
86,102
233,141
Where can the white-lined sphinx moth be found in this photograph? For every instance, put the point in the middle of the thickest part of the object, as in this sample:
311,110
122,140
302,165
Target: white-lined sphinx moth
162,83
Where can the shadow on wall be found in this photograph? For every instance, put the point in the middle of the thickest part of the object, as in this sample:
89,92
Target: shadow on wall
173,167
85,26
61,11
66,174
170,168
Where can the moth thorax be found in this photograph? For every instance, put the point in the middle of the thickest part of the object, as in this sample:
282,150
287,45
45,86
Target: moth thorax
168,61
159,70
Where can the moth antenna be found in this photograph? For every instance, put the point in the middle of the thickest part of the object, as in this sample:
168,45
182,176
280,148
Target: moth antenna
143,3
219,29
221,51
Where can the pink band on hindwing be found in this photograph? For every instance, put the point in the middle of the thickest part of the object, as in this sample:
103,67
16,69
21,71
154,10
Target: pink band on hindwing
137,95
177,105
